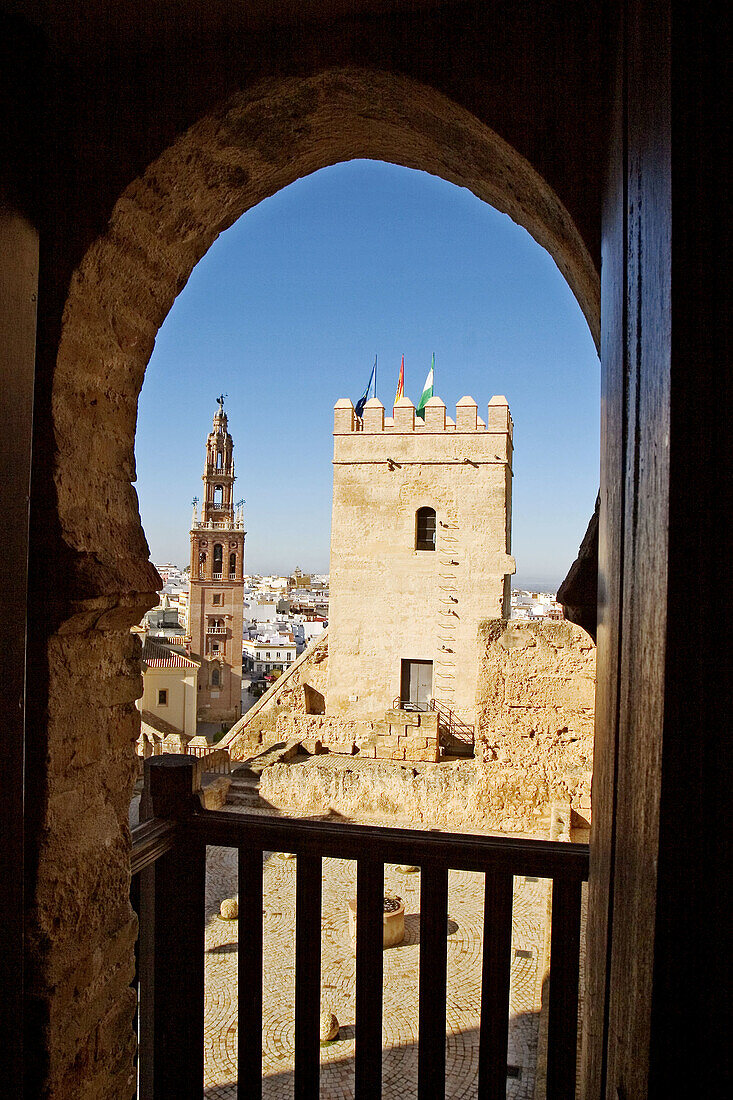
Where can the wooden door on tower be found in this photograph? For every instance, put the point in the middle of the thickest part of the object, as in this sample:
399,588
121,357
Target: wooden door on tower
417,683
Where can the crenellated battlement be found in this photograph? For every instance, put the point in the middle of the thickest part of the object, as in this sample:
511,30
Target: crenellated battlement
404,421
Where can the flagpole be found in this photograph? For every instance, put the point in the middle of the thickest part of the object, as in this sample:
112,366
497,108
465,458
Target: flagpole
375,377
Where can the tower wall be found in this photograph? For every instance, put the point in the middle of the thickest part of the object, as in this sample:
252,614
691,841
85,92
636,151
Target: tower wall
391,602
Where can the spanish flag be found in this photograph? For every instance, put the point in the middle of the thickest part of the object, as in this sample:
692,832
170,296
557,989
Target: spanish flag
400,383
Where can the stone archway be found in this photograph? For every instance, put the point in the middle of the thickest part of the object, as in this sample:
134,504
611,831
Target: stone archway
256,144
164,222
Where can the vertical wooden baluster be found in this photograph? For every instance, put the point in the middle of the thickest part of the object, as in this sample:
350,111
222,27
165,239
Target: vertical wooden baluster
146,982
135,905
433,962
497,959
180,882
249,975
562,1025
369,948
307,977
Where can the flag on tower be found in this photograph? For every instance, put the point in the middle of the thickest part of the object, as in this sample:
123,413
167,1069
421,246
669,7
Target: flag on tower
359,407
400,382
427,390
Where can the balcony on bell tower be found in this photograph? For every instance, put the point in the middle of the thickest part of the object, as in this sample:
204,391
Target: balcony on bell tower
217,505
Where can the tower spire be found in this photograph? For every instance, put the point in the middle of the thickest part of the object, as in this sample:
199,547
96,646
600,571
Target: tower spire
218,476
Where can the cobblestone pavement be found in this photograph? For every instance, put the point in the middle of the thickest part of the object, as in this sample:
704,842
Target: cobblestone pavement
464,933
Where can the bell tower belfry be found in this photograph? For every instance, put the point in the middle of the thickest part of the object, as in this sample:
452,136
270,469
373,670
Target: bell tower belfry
217,580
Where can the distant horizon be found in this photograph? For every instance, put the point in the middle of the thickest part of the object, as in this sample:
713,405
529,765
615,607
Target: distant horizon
531,585
285,313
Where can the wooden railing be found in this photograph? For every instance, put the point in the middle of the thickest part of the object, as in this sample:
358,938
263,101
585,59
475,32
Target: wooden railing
169,872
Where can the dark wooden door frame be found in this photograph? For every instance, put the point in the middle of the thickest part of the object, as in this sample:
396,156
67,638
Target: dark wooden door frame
18,294
660,859
406,677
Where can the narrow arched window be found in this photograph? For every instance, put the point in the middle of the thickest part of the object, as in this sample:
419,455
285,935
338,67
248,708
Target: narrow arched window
218,460
425,529
218,557
232,565
218,496
215,678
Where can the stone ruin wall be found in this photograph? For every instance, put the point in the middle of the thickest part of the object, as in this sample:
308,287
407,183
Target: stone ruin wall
534,742
300,691
399,736
535,706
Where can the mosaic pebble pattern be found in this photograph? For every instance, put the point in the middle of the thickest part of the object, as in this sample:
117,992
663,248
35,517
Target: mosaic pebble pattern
464,935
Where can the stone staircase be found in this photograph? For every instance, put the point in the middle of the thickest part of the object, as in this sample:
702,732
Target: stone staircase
244,792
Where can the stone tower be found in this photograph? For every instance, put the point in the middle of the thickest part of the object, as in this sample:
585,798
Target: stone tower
420,552
217,581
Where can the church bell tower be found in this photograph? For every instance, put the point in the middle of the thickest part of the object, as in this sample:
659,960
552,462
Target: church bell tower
217,581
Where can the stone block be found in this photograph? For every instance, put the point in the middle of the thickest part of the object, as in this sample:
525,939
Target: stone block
213,794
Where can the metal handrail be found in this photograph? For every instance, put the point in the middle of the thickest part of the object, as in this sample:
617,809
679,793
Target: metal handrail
208,762
408,704
449,715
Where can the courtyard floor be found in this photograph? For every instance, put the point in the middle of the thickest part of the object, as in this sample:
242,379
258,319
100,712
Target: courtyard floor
464,934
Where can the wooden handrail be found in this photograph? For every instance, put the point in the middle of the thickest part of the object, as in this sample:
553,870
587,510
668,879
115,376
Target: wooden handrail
459,851
150,841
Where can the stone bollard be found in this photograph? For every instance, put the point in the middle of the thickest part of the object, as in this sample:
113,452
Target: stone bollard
329,1026
229,909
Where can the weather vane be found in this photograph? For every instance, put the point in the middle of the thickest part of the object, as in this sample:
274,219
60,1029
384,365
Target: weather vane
220,401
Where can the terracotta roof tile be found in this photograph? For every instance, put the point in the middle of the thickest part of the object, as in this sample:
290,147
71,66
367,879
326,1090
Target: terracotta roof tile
155,655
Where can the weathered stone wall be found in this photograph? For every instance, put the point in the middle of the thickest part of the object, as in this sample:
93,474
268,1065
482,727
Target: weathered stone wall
82,931
455,795
535,707
534,746
404,735
321,733
399,736
296,692
534,740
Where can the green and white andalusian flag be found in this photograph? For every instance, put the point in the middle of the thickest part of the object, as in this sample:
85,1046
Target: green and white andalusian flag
427,391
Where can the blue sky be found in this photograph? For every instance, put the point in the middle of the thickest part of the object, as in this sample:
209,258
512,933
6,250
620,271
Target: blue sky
285,314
